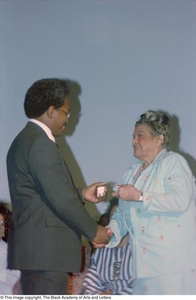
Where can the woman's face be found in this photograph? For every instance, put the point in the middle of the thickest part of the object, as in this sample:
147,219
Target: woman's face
2,226
145,145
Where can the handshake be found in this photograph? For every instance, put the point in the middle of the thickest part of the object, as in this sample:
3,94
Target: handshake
102,237
95,193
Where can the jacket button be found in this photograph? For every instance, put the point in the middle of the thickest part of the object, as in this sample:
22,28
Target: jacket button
138,210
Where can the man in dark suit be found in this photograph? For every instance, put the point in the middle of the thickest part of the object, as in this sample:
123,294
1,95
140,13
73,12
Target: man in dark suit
48,210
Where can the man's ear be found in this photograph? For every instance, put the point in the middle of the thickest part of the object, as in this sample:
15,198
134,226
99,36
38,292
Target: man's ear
50,111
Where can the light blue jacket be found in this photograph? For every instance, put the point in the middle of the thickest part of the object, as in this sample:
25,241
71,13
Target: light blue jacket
163,226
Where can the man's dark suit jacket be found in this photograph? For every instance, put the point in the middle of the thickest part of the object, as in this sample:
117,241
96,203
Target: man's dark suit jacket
48,214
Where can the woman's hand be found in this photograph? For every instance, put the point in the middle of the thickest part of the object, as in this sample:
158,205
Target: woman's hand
127,192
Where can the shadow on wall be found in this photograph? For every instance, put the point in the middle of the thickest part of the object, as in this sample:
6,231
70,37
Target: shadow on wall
175,141
66,152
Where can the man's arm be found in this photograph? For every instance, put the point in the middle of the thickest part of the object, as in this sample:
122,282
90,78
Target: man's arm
52,178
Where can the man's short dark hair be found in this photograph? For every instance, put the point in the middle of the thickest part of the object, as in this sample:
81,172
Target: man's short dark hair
43,94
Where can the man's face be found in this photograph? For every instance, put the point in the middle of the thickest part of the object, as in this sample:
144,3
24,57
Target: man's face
60,118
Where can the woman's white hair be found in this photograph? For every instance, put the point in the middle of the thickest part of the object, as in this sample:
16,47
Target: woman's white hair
158,123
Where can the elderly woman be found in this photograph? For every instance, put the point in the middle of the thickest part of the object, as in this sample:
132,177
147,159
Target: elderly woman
9,279
158,209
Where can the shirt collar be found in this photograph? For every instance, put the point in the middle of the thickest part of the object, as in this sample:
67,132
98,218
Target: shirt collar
45,128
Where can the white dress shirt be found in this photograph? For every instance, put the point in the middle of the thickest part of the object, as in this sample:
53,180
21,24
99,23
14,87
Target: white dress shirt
45,128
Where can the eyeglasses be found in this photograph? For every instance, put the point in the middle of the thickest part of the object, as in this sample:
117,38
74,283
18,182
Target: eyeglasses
66,113
2,223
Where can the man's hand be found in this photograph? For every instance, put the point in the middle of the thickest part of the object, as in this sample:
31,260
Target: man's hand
96,242
101,236
90,192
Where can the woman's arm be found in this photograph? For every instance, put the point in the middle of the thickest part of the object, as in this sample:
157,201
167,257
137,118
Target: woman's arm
179,187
